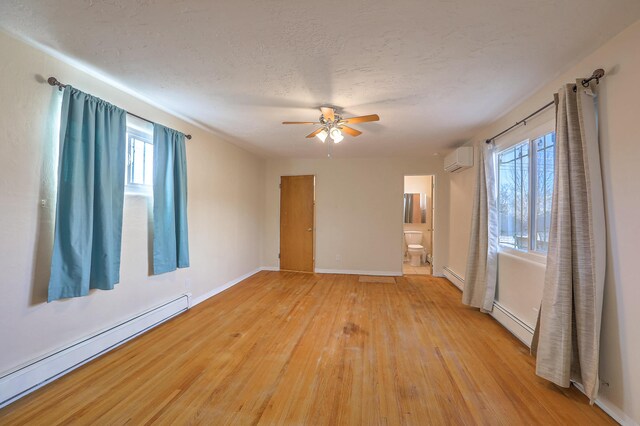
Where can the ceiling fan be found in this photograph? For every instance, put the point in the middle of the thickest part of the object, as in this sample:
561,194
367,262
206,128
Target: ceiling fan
333,125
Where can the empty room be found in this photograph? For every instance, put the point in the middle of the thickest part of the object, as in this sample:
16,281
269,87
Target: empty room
339,213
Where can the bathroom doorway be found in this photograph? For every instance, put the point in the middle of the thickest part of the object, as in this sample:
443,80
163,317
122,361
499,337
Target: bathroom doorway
417,226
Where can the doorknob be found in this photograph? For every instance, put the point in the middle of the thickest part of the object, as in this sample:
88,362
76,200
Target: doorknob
309,229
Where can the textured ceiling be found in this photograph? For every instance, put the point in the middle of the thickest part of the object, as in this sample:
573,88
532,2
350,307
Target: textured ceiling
435,71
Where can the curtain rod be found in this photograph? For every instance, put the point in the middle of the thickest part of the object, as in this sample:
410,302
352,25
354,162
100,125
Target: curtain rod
596,75
55,82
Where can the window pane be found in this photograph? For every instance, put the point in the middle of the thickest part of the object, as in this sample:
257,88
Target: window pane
139,158
138,161
513,196
148,164
545,154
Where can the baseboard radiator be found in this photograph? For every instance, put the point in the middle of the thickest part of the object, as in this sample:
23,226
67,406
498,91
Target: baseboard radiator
41,371
500,313
453,277
524,333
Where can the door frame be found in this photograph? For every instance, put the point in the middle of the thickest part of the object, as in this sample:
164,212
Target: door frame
433,219
313,231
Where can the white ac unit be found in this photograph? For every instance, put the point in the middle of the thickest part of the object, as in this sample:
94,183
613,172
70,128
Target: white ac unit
460,159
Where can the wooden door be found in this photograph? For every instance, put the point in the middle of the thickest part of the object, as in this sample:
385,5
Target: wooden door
297,194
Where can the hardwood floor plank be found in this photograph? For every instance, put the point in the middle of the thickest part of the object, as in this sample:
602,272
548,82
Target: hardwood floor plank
290,348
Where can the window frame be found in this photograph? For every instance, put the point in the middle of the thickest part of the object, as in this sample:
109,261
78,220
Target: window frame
545,124
533,188
147,138
527,143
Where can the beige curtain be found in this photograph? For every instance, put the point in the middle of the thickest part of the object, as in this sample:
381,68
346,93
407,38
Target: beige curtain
566,341
482,262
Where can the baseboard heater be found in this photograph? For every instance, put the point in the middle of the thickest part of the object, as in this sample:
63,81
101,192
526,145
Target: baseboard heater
43,370
453,277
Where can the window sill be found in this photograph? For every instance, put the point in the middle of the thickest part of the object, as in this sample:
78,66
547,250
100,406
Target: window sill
138,190
531,256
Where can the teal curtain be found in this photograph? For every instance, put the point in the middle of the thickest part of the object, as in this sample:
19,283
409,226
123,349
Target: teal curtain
170,230
88,230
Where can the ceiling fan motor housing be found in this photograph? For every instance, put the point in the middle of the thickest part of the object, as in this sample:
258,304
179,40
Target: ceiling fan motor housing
336,120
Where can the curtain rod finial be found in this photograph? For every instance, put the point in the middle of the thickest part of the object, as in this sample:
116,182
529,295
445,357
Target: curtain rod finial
54,82
598,74
188,136
487,141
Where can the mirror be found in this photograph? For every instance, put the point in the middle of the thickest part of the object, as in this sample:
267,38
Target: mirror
415,208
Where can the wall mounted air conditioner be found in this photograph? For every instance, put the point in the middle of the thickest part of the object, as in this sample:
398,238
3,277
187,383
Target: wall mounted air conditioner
460,159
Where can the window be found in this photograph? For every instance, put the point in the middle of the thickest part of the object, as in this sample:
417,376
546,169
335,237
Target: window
525,191
139,174
545,155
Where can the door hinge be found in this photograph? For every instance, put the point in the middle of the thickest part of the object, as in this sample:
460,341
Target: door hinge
280,186
278,255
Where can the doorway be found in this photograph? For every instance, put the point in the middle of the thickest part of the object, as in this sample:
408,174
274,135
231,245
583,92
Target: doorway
297,223
417,226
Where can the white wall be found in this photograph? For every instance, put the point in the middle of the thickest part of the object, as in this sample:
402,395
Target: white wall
460,193
417,184
225,204
359,208
620,154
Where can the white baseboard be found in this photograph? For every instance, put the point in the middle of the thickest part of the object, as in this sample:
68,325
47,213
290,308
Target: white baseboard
515,325
524,333
24,380
454,277
224,286
37,373
614,412
356,272
342,271
500,313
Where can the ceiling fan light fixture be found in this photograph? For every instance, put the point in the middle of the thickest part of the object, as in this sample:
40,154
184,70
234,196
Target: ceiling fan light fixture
332,125
336,135
322,135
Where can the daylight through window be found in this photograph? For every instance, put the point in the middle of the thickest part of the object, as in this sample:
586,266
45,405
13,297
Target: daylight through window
139,158
525,180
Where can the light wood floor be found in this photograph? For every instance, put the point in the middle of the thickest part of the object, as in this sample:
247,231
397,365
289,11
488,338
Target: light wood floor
287,348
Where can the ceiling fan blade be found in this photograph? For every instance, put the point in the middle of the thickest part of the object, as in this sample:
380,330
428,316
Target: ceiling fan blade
312,134
350,131
300,122
329,113
361,119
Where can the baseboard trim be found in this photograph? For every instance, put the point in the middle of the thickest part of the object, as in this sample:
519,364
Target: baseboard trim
356,272
511,322
41,371
614,412
25,379
454,277
37,373
523,332
500,313
225,286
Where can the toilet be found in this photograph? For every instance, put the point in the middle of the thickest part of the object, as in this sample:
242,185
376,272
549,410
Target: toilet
414,247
